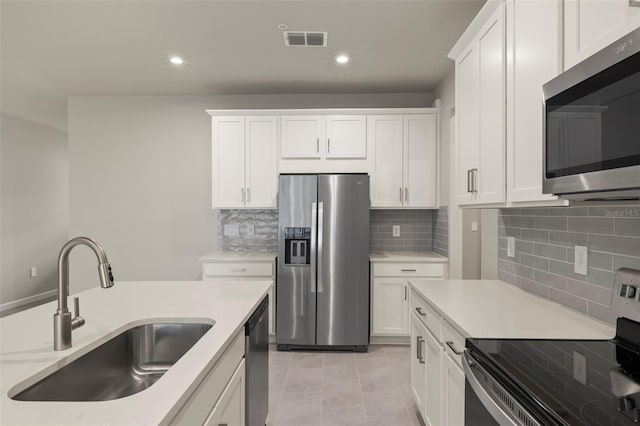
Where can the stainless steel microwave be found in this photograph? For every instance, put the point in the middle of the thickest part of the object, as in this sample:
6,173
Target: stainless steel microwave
592,126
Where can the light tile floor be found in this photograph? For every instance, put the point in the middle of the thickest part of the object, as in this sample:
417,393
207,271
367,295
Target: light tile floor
341,388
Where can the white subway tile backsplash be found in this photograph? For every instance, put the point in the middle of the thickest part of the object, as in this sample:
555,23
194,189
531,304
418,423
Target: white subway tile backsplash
545,240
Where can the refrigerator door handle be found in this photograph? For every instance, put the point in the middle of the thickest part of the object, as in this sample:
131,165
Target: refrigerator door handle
314,232
320,231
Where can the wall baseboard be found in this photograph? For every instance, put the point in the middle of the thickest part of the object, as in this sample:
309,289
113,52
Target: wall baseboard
31,300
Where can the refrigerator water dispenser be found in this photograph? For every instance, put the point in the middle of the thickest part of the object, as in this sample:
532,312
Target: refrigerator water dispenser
297,249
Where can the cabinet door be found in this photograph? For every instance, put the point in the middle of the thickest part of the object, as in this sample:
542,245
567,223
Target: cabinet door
433,381
390,307
228,184
452,393
346,136
534,59
385,141
590,25
229,409
491,176
261,161
420,162
467,82
302,136
418,363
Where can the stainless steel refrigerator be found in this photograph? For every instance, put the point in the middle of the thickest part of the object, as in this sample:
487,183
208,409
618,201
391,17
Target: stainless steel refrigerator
322,282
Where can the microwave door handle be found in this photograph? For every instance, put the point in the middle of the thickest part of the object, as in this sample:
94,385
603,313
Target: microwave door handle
496,411
314,232
320,232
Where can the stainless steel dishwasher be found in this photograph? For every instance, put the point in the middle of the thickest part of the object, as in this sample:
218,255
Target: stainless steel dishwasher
256,333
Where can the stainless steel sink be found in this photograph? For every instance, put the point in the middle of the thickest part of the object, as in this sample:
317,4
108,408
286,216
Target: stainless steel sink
127,364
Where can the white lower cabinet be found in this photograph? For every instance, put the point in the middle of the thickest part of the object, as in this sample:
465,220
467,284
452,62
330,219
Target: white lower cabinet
437,379
452,392
390,294
227,270
230,409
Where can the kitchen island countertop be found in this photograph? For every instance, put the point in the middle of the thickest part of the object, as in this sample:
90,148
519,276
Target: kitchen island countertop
27,355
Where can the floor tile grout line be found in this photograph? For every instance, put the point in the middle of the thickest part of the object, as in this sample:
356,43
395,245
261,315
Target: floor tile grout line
286,376
366,419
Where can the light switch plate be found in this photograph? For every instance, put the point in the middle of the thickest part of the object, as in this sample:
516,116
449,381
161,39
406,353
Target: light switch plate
231,230
250,229
33,272
474,226
511,246
581,261
396,230
580,367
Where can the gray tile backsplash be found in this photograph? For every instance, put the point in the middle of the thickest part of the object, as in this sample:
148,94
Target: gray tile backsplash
544,252
265,237
420,230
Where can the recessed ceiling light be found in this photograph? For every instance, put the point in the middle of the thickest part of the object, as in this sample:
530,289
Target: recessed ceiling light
342,59
176,60
283,26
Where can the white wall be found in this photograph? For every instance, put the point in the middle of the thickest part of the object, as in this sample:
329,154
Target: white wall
489,245
140,176
35,207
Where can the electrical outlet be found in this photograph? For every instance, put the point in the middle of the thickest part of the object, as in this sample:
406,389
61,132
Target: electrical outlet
250,229
511,246
396,230
580,367
581,260
33,272
474,226
231,230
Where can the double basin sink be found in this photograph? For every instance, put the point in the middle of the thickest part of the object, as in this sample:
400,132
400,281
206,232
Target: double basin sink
127,364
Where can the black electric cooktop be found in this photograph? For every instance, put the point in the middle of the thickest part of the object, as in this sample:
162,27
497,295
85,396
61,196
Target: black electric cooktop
574,382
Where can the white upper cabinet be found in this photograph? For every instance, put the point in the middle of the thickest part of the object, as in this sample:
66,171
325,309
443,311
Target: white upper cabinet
480,114
385,141
346,136
420,161
535,49
403,160
261,167
228,155
244,166
302,136
590,25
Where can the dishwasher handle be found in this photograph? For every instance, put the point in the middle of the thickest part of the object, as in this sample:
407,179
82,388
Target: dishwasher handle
256,316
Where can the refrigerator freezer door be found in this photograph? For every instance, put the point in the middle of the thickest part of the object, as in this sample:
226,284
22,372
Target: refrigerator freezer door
296,282
343,275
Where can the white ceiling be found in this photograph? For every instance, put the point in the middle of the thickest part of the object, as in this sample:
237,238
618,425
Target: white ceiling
53,49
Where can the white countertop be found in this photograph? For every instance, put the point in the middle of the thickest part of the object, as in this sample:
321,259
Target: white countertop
27,347
406,256
233,256
495,309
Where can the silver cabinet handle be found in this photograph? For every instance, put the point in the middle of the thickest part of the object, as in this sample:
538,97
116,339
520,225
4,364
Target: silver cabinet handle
419,310
407,270
469,172
248,195
400,188
406,194
317,145
238,269
420,354
329,145
474,178
242,190
453,348
314,233
405,292
320,232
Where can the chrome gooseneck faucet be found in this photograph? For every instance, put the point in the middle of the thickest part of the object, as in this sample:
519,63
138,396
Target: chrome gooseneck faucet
63,323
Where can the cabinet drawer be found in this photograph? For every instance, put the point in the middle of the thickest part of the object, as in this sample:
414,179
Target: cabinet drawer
235,269
427,270
453,342
200,404
427,314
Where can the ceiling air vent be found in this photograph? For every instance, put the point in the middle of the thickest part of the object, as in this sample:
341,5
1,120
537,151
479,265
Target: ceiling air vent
305,38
